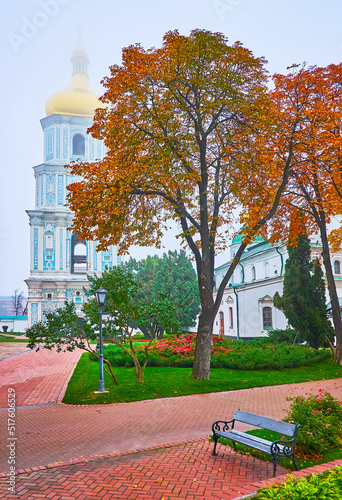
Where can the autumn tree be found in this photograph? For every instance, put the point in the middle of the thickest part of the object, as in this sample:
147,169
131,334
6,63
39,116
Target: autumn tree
314,95
185,131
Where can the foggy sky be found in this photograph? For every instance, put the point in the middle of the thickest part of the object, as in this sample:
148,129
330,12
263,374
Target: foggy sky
37,39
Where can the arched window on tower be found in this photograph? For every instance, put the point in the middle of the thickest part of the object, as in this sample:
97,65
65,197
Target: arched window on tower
78,256
78,145
253,273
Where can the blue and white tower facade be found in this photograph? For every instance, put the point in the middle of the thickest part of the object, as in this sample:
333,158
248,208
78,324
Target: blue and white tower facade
60,261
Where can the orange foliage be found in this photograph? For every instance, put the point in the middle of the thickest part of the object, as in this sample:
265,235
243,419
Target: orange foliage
183,128
177,121
192,132
307,110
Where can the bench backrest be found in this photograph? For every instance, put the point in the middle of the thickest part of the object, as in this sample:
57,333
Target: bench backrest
266,423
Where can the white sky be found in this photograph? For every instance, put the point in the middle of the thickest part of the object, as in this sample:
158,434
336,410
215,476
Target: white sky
37,39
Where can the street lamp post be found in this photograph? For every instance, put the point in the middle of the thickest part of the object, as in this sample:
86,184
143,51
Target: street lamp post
101,295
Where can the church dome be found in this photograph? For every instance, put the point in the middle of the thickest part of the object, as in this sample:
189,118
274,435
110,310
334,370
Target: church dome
79,50
78,98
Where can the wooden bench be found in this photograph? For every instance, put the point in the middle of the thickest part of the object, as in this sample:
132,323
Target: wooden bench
276,449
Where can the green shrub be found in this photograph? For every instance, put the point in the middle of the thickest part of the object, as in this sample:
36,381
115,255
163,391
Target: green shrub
117,357
260,354
268,357
325,486
227,353
320,418
288,336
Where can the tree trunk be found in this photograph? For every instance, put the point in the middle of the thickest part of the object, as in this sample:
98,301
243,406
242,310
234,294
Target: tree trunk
204,338
139,372
145,332
335,305
204,343
338,352
110,371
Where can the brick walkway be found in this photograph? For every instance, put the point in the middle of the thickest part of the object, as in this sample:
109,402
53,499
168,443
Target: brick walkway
104,438
37,377
183,471
10,348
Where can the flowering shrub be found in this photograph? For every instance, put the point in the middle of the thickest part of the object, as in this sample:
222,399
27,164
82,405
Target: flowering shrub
184,346
226,353
320,417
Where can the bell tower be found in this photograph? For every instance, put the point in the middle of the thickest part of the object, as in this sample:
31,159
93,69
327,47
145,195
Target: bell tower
60,261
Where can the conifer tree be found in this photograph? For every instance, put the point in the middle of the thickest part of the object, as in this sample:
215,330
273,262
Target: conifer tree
173,277
303,299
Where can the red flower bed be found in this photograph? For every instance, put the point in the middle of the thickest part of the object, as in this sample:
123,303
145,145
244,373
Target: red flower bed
184,346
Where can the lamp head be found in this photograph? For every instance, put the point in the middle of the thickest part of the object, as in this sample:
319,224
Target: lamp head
101,296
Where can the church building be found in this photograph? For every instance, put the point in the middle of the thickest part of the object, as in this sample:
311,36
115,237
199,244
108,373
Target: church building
60,261
247,310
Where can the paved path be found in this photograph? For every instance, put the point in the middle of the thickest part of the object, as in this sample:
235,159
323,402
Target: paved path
37,377
52,433
56,433
10,348
182,471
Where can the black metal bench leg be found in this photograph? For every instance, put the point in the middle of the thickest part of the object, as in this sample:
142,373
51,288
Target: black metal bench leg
275,463
215,443
294,461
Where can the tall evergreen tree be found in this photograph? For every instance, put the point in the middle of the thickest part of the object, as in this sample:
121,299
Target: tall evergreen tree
303,299
170,278
176,278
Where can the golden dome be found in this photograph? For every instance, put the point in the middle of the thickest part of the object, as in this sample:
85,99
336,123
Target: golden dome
79,50
78,98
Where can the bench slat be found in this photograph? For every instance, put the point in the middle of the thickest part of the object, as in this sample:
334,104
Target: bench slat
250,437
265,423
250,441
247,442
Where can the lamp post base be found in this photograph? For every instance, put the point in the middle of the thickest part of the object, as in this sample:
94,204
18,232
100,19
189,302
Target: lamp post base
100,392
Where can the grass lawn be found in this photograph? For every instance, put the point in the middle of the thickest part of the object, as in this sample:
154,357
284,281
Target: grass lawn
10,338
172,382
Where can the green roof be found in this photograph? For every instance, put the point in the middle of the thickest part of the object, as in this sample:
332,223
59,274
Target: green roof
239,238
